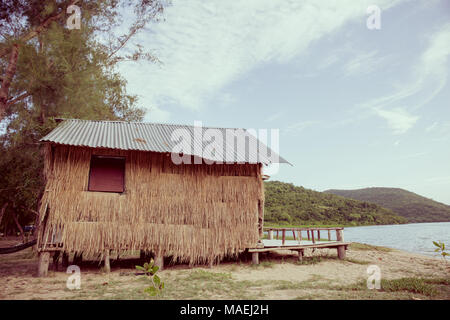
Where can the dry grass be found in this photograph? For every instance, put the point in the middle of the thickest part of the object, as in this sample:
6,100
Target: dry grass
194,213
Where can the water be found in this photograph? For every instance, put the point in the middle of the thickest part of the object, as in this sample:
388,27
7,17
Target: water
415,237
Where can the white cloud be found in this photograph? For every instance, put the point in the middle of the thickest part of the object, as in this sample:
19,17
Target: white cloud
398,119
155,114
204,46
274,116
429,78
364,63
300,126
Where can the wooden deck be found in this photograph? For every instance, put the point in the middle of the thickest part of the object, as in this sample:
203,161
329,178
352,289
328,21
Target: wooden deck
304,238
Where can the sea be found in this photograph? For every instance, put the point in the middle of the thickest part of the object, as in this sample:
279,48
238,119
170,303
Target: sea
413,237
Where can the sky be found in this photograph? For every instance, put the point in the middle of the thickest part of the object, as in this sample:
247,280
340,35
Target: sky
355,106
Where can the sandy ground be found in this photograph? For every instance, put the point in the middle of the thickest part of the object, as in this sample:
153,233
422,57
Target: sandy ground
395,264
18,277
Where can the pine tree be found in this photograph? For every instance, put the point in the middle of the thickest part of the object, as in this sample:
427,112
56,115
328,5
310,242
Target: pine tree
49,70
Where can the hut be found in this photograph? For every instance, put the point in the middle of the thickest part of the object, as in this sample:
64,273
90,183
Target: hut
119,186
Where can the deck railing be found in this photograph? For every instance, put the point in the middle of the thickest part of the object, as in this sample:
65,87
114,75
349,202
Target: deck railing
310,233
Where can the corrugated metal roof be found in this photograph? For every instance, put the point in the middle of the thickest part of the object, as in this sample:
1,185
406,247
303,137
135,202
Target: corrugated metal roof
164,138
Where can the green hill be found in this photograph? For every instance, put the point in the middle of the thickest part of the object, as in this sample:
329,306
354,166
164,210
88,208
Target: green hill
288,204
405,203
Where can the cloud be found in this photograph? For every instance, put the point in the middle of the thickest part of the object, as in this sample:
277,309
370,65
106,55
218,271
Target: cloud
274,116
299,126
363,63
398,119
155,114
429,76
206,45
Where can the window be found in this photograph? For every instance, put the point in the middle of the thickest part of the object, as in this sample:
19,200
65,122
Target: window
107,174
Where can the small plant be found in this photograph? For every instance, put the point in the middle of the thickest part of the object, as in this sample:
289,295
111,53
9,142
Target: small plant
150,270
441,249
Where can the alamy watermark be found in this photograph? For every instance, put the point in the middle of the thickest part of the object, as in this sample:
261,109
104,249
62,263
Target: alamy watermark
374,279
74,20
373,22
213,145
74,280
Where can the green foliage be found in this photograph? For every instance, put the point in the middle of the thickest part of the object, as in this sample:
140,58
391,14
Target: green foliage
287,204
441,249
150,270
368,247
60,73
407,204
414,285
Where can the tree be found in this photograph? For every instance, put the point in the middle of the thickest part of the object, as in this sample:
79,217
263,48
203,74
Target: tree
26,24
48,71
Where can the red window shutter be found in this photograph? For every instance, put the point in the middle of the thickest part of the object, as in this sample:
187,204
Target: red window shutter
107,174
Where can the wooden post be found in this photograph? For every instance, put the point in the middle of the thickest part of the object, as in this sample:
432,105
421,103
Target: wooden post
318,235
44,260
159,261
312,236
277,233
107,262
299,233
255,257
284,236
340,249
270,234
293,233
329,235
341,252
309,237
339,235
300,255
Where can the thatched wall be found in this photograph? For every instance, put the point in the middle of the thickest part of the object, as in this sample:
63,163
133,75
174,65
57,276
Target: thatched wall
195,213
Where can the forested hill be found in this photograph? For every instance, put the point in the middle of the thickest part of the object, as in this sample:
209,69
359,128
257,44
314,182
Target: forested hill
405,203
289,204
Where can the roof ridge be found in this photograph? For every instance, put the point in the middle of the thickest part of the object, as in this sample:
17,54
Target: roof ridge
142,122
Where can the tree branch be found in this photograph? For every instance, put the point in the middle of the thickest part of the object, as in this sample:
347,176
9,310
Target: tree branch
36,31
6,82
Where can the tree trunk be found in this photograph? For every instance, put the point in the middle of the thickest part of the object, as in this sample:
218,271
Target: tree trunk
6,82
2,212
19,227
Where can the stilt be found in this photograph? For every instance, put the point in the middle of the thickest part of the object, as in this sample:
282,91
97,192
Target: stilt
300,255
159,261
44,260
55,260
270,234
107,262
341,252
65,260
255,257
